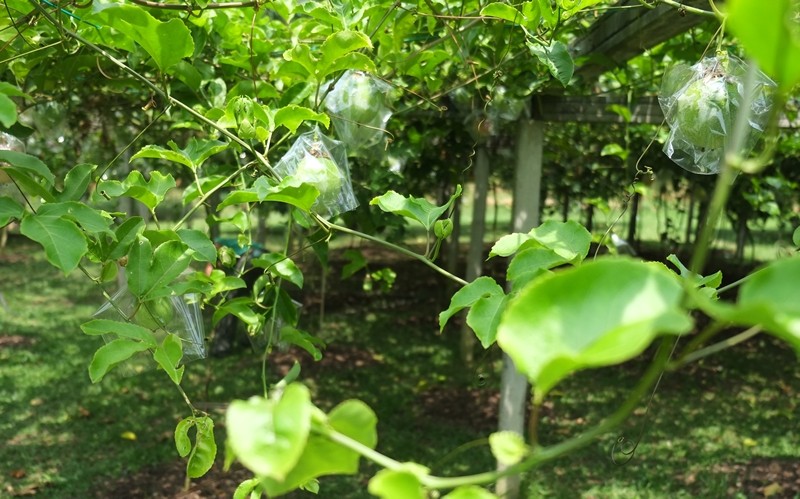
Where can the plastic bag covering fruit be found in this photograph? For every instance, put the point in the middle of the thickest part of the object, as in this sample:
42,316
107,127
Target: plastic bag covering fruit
701,103
9,143
179,315
359,110
322,162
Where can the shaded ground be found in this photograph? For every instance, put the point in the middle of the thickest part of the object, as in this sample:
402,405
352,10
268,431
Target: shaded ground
720,428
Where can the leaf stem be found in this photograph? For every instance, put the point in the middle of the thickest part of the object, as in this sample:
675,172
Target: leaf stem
397,248
716,347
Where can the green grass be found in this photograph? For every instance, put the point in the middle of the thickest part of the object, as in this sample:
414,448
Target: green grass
63,437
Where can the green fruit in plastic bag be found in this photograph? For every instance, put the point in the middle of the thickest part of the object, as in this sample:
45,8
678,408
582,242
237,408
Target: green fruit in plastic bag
154,314
365,102
703,112
320,172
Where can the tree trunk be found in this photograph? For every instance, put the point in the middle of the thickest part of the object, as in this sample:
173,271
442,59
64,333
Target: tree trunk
527,195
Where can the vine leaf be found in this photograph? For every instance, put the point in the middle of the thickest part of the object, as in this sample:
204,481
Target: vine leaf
557,60
19,161
205,448
111,354
245,488
149,192
289,191
63,242
168,355
776,49
100,327
183,444
268,436
353,419
76,182
570,240
166,42
419,209
280,266
9,210
151,272
193,156
292,116
795,237
769,299
202,249
486,299
599,314
402,483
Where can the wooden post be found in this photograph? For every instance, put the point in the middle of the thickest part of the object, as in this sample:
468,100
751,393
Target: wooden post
527,202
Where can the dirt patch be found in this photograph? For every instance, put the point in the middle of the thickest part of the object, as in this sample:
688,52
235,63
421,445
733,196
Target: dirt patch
14,340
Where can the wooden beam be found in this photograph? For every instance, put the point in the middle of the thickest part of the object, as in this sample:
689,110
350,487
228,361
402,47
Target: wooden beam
621,34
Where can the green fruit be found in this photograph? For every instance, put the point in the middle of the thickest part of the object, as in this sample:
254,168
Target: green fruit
703,112
365,103
154,314
320,172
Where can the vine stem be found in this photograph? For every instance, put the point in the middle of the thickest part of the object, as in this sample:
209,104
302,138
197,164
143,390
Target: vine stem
207,195
716,347
397,248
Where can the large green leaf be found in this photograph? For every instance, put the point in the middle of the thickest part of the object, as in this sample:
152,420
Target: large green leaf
183,444
570,240
9,210
337,51
168,355
486,301
470,492
322,456
25,162
602,313
8,111
292,116
465,297
770,33
76,182
503,11
768,298
530,263
419,209
99,327
205,448
166,42
193,156
170,259
125,236
92,221
289,190
203,250
111,354
268,436
63,242
149,192
557,60
280,266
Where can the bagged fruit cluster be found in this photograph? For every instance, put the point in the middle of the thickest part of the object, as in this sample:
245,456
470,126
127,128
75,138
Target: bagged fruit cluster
322,162
358,108
179,315
701,103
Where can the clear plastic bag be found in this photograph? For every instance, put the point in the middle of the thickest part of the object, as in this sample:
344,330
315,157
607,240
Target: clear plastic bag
180,315
322,162
700,104
358,105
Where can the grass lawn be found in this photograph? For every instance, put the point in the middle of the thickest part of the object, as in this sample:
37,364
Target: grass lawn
724,427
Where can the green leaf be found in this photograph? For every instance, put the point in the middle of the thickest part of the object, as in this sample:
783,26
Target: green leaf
355,262
322,456
168,355
280,266
9,210
530,263
484,317
557,60
770,34
292,116
169,261
125,235
569,240
91,220
99,327
419,209
193,156
205,449
25,162
166,42
268,436
599,314
503,11
149,192
203,250
768,298
337,46
795,237
396,484
111,354
8,111
508,447
483,287
137,271
183,443
245,488
76,182
549,14
509,244
470,492
63,242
